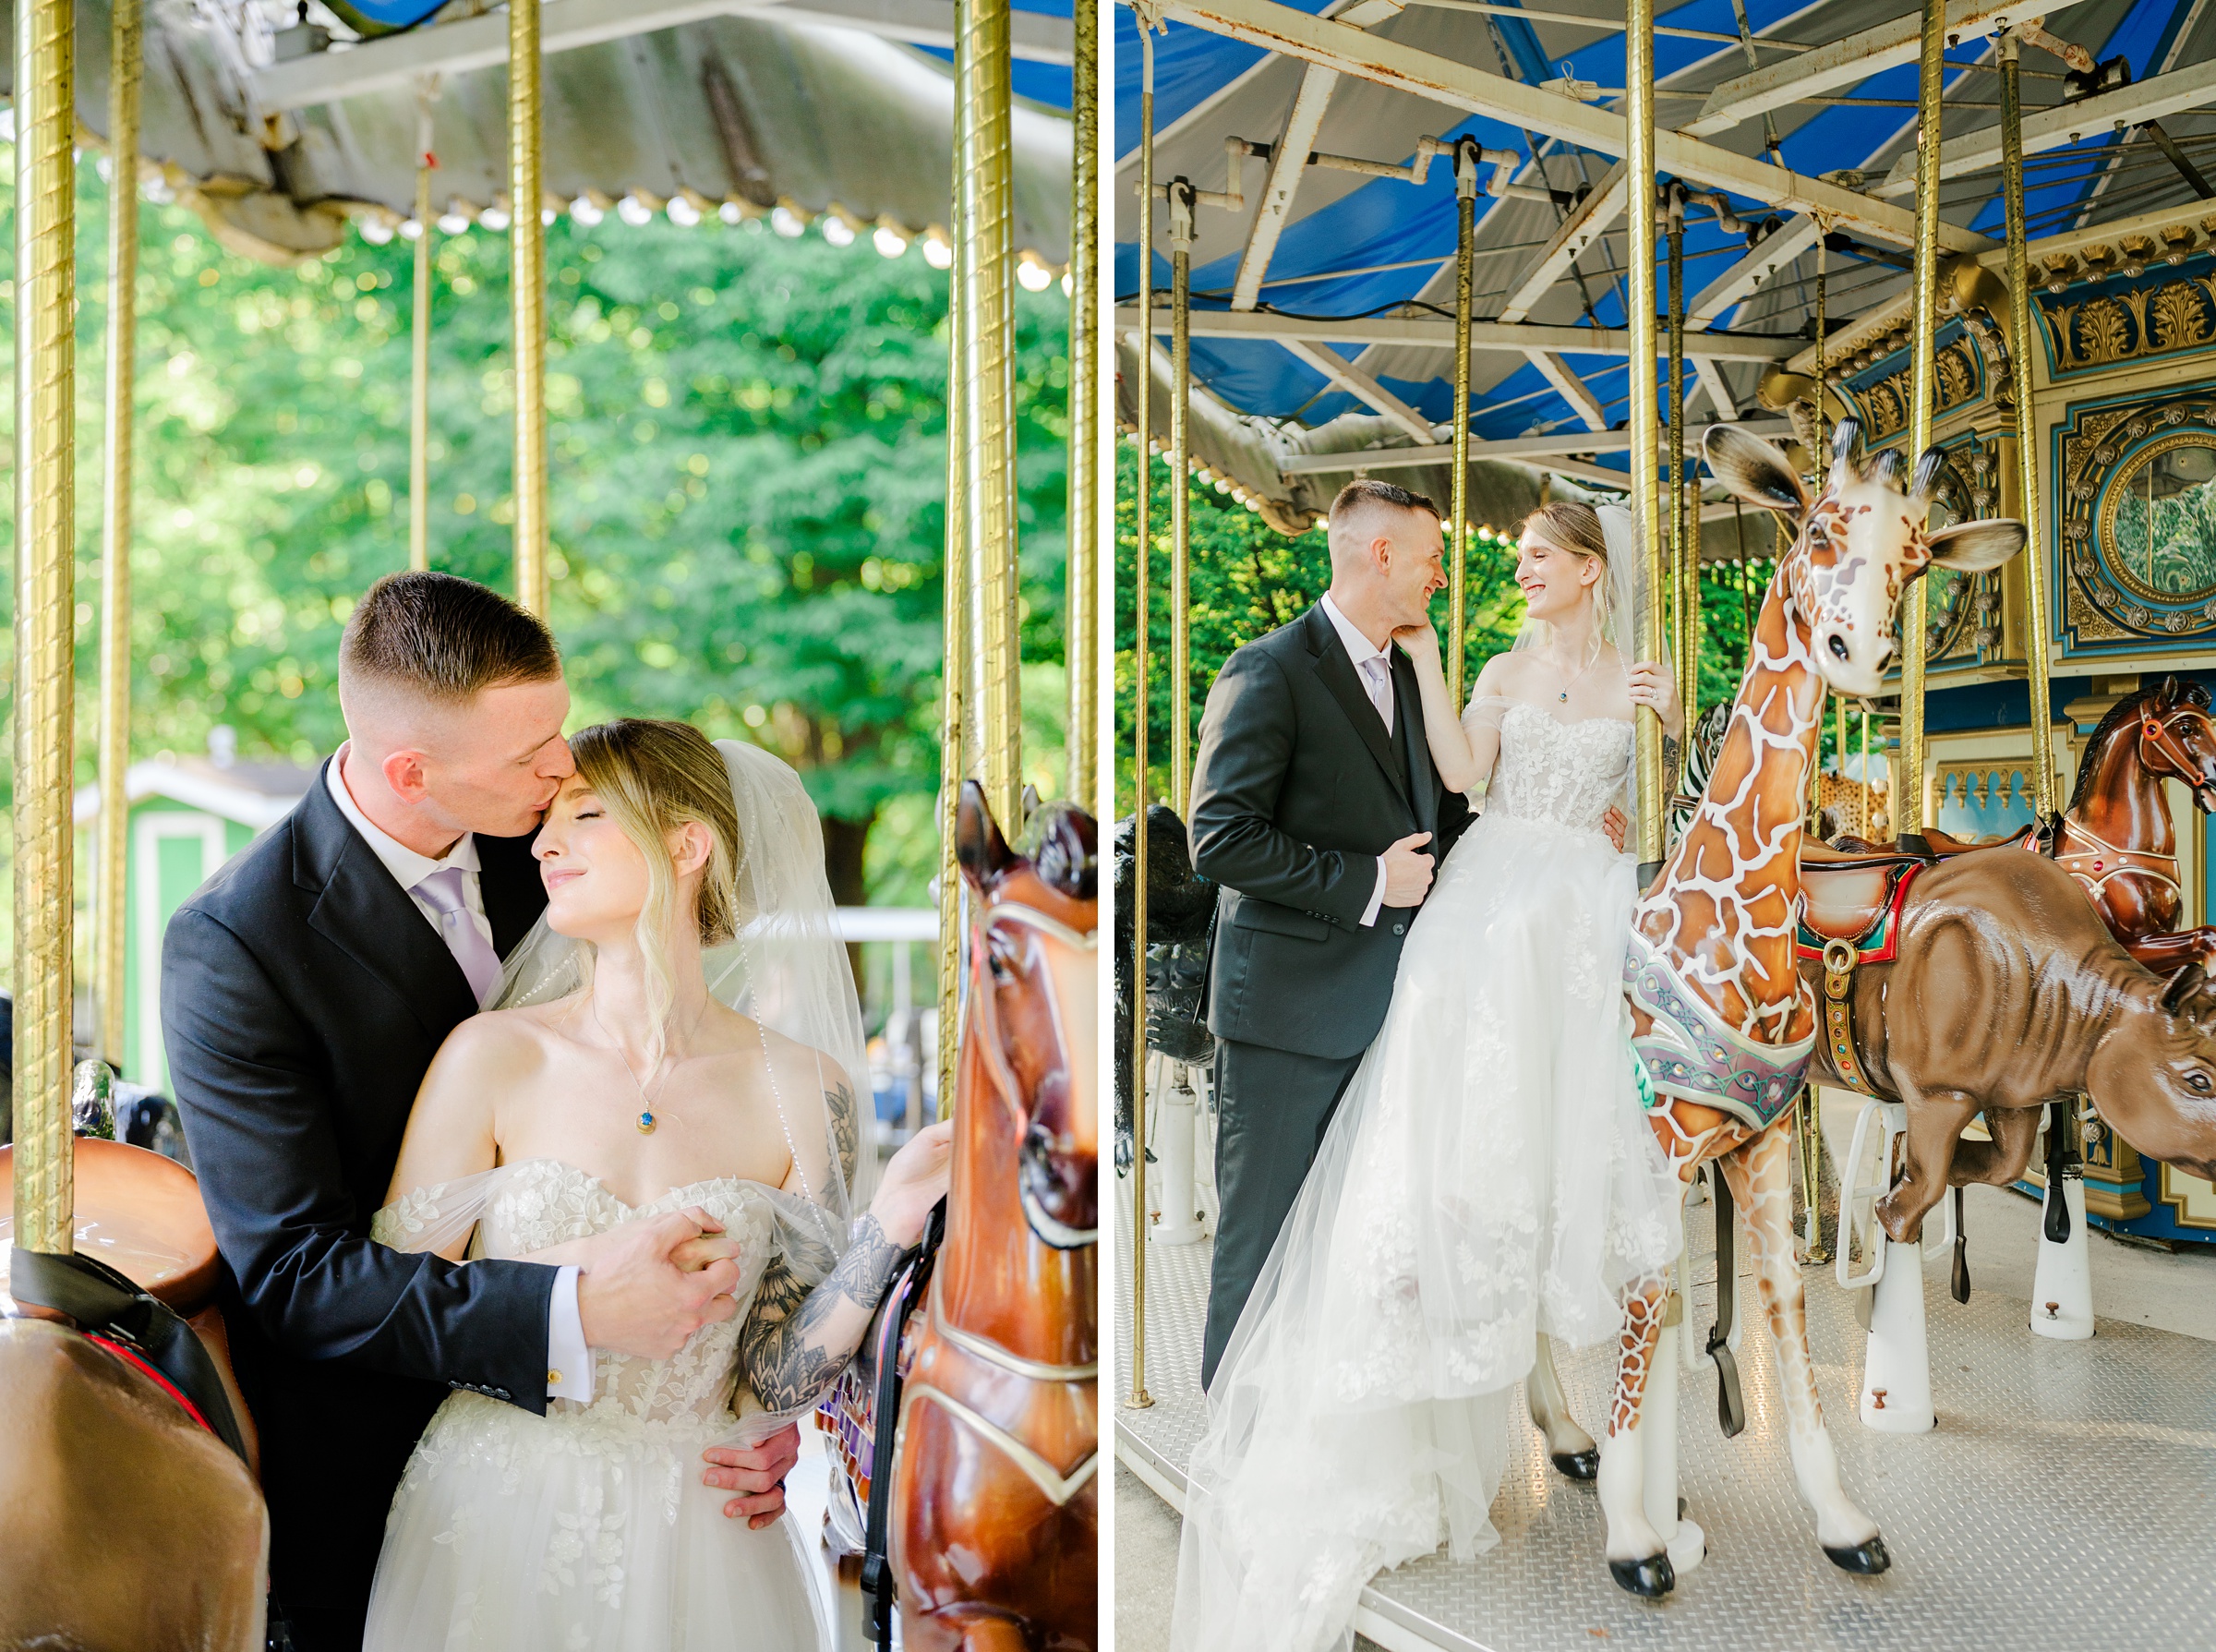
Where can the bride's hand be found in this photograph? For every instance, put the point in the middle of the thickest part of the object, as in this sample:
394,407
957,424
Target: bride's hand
914,1181
1656,685
1420,640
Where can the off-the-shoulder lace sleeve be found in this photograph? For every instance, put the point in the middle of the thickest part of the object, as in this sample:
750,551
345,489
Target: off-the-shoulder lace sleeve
1485,711
432,1218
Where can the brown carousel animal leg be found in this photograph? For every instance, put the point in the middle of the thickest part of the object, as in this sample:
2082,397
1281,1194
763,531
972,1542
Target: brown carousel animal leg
2002,1161
1761,1177
2167,954
1573,1452
1936,1118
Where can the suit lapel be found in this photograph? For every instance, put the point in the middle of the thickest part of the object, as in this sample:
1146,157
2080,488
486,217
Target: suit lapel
366,915
1338,675
508,878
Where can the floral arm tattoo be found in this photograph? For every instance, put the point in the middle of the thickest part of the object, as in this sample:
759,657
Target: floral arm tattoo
1670,767
795,1340
845,1127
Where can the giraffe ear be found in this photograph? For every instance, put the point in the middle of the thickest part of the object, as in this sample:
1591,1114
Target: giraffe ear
1977,546
1754,471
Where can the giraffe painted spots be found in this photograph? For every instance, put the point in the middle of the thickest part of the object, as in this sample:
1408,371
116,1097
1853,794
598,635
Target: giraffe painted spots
1721,916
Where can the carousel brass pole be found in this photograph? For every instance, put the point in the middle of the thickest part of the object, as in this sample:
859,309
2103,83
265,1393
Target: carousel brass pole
1639,163
1457,548
1908,808
419,381
1684,540
124,67
984,336
45,110
2027,428
1080,639
1817,460
527,300
1181,494
958,718
1139,1398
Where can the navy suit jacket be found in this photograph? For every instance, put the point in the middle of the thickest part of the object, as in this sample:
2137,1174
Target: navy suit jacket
303,997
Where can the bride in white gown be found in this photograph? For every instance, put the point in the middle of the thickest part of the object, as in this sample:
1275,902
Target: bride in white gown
1489,1175
678,1035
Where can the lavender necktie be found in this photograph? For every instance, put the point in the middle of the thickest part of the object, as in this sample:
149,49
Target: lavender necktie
443,890
1380,685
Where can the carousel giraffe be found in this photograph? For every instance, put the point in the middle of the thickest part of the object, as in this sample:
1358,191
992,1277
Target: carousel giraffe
1719,1021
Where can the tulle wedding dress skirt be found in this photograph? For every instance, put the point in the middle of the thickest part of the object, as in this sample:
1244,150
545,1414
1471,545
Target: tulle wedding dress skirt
1488,1176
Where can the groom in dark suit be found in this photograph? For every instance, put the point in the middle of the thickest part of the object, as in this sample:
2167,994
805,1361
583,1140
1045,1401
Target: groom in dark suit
1316,806
305,990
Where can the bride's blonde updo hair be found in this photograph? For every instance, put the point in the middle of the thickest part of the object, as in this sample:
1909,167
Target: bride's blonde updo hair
1572,526
653,776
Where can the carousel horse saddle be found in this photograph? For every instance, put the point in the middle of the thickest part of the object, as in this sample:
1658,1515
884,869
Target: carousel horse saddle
1856,900
143,1213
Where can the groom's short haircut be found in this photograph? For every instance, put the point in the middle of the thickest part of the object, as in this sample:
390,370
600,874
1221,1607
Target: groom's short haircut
1358,508
442,639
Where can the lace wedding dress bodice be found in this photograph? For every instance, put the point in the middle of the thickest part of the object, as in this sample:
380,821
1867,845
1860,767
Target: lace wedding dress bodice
1564,774
588,1528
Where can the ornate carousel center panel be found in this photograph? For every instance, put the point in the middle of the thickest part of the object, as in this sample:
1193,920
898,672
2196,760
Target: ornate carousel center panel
2136,487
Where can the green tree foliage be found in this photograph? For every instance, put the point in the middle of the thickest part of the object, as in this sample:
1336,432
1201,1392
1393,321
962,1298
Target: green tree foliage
748,487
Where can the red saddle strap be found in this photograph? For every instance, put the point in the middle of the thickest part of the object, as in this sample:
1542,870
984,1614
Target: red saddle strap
130,1357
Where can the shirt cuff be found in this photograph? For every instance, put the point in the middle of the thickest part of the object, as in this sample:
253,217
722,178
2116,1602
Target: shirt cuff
1377,897
569,1360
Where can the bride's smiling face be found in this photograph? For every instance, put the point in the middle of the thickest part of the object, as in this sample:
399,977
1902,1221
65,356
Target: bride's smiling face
1555,583
596,875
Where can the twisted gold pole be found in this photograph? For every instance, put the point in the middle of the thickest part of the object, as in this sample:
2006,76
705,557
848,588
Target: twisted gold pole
419,380
1080,624
1181,495
985,339
1908,808
2029,503
1139,1398
527,298
1458,548
1639,163
111,850
1685,541
45,110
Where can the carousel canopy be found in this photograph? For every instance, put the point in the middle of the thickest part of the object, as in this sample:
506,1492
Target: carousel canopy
281,135
1323,303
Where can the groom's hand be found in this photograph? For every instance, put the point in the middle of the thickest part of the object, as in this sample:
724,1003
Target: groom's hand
1407,871
645,1287
756,1472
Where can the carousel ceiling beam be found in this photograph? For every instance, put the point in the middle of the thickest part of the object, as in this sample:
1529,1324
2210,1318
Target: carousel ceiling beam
1586,221
1438,332
1280,28
1711,378
1784,245
2191,88
1572,389
1514,447
482,42
1361,386
1849,62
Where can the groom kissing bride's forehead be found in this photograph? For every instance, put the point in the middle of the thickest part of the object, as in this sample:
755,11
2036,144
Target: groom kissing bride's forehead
305,990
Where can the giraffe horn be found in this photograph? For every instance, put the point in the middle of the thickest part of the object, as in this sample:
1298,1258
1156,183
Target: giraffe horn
1924,484
1888,467
1846,448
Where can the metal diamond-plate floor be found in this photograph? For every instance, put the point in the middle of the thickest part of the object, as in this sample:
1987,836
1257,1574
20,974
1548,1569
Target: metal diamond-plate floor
2067,1498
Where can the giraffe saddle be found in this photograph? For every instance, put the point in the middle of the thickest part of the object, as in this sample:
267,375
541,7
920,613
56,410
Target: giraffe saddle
1856,900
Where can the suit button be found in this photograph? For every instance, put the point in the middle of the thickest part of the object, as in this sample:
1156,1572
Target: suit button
1400,929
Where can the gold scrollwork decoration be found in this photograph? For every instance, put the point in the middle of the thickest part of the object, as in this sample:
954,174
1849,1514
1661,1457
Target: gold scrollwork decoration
2134,323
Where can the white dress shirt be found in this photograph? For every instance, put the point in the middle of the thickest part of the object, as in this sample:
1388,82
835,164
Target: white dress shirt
1373,670
569,1358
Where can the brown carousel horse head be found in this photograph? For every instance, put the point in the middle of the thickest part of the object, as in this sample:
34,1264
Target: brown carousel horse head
1863,520
1032,999
2176,738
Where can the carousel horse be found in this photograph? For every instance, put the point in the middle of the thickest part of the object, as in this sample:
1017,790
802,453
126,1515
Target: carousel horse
1181,908
993,1509
1721,1025
131,1516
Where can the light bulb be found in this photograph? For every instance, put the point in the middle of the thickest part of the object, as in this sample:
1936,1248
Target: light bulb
376,231
634,212
729,212
837,231
786,223
938,253
1033,276
889,241
1068,285
683,212
493,219
410,229
586,212
546,216
452,223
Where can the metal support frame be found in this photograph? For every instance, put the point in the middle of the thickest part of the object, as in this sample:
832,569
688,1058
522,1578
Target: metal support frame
1579,229
1080,639
527,299
419,383
1182,210
46,306
1684,536
1572,389
1640,160
1519,338
1458,548
125,60
1138,1399
2029,503
984,336
1349,377
1908,808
